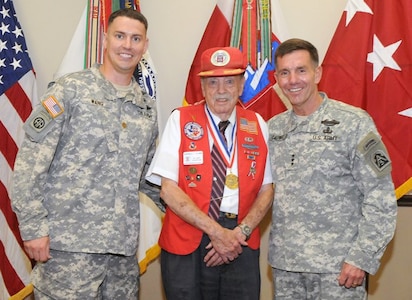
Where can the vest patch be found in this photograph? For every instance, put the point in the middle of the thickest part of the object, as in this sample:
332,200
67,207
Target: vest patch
193,130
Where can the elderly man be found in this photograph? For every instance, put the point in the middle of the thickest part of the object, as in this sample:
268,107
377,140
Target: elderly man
213,167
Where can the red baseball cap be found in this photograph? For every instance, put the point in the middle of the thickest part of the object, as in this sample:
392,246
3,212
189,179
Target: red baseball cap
221,61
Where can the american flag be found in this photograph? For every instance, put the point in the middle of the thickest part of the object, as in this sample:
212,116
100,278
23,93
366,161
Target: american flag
18,94
248,126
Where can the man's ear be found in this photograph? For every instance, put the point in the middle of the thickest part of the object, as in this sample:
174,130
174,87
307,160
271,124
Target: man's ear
318,74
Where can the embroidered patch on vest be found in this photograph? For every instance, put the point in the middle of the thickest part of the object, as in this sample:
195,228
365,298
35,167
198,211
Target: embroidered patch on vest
193,130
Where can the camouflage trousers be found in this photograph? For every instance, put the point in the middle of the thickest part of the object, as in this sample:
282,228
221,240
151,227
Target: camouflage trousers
70,276
313,286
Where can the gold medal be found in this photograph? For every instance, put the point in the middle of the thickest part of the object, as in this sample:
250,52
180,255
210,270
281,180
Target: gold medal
232,181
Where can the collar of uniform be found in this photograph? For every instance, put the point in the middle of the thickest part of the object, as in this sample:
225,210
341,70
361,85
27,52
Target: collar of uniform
312,122
110,93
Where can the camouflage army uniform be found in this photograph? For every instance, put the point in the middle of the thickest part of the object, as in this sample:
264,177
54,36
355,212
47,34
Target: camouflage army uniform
334,199
78,173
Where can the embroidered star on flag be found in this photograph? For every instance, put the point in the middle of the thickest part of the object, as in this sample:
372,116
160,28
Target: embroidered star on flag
368,64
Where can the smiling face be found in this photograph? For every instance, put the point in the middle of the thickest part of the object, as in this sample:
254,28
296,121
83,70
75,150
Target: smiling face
222,93
298,77
124,44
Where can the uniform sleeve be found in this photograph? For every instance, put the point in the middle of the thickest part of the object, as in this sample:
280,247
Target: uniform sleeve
151,190
372,172
31,170
166,160
268,173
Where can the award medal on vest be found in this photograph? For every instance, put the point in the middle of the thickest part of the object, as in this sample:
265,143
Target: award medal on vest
231,180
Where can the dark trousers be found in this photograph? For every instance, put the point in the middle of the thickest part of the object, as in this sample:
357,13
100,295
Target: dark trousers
186,277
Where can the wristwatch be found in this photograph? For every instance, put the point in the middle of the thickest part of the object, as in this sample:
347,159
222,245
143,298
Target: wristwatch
246,230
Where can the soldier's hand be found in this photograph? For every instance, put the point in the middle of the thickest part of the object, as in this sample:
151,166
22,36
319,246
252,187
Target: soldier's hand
351,276
38,249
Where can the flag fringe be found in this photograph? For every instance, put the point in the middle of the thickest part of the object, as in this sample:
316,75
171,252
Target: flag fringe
26,291
404,188
151,254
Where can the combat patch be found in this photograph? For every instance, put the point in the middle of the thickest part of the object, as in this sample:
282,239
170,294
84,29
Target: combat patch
375,154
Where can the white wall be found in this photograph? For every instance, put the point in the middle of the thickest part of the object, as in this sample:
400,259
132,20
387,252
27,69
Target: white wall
175,29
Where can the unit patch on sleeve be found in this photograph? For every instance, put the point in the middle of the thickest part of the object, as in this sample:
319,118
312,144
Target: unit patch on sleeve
41,121
375,154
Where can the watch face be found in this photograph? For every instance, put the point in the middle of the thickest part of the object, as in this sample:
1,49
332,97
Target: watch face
245,229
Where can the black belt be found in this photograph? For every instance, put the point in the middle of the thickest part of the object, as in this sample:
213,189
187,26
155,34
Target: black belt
227,215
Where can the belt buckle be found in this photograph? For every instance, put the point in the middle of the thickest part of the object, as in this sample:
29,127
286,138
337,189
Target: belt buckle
230,215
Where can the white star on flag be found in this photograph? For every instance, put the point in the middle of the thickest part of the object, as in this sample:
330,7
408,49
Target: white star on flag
16,63
18,32
406,112
5,12
353,6
368,64
3,45
382,56
4,28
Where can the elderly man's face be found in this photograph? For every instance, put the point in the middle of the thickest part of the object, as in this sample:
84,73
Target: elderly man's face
222,93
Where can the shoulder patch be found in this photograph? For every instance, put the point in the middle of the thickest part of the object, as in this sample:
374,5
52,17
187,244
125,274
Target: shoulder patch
52,106
38,125
375,154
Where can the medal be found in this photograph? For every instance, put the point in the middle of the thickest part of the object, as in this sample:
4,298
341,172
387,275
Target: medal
252,170
231,181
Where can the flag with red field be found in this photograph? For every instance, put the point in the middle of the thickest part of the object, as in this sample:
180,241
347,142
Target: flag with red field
18,94
249,26
368,64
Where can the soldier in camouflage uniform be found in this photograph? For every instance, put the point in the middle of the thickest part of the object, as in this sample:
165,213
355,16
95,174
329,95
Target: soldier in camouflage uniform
79,171
334,210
